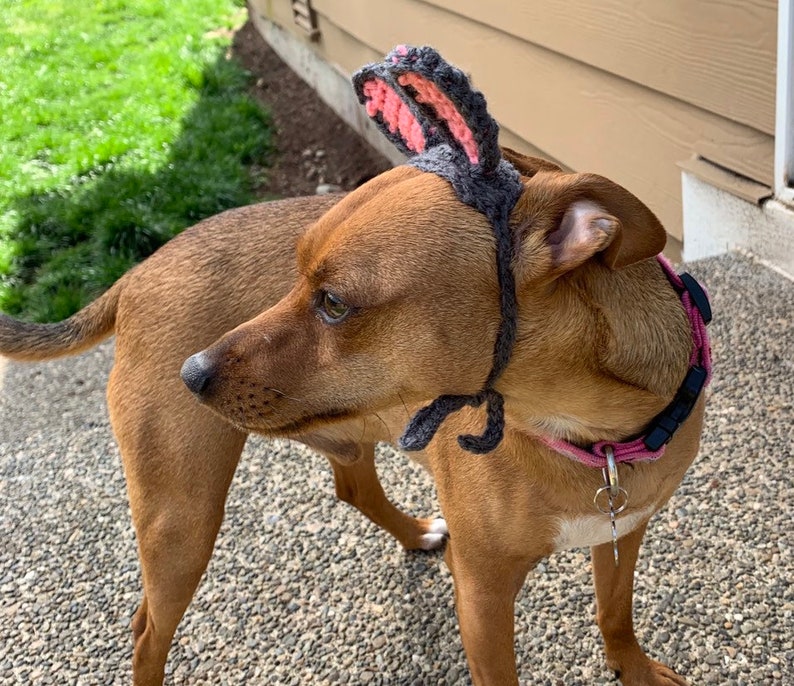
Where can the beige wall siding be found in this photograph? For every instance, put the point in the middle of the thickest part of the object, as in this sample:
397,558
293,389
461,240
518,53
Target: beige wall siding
617,110
715,54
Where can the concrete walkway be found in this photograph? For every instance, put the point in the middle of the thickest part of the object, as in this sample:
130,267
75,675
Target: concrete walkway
303,590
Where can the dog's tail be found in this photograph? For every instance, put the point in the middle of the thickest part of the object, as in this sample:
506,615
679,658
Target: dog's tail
28,342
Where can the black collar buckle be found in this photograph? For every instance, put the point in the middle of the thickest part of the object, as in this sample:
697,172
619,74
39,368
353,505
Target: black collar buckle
666,423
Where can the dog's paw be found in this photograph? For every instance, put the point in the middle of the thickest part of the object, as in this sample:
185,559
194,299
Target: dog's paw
651,673
436,535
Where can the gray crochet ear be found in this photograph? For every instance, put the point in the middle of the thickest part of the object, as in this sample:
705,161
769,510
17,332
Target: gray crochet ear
390,107
420,101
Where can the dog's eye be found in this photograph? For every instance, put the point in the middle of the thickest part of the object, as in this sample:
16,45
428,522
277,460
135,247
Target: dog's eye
331,307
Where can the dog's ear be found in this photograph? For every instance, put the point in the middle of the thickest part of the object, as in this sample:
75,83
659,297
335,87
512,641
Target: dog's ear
573,217
419,101
527,165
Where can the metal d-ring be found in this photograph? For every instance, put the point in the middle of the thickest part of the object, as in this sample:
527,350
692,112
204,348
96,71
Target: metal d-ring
617,497
611,472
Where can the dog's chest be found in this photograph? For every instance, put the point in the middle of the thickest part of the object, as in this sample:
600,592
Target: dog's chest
595,529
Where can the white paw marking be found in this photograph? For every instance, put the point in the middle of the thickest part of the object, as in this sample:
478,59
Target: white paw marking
436,535
431,541
439,526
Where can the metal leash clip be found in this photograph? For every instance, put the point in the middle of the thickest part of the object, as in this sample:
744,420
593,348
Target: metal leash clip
617,499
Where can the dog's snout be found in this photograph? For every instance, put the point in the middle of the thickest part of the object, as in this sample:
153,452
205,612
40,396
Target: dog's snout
197,371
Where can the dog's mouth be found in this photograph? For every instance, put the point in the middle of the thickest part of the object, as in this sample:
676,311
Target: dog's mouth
313,421
267,424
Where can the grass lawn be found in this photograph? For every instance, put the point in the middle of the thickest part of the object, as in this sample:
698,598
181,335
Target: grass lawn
122,123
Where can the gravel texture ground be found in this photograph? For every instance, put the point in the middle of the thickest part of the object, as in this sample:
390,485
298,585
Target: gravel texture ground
303,590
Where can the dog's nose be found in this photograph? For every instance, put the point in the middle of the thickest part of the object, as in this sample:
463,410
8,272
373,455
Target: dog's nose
197,371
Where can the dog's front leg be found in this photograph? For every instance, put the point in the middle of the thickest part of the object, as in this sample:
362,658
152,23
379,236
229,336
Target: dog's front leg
495,539
614,587
486,585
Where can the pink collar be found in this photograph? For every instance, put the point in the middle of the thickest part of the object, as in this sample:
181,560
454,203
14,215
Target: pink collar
652,444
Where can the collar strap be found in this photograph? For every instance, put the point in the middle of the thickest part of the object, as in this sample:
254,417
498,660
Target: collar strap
660,431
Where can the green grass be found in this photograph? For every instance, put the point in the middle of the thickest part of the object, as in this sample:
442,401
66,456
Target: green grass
122,122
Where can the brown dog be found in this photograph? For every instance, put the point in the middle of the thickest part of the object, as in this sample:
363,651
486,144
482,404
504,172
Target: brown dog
394,303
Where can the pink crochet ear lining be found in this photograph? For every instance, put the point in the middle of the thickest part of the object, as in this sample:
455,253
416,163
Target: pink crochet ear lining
382,99
429,94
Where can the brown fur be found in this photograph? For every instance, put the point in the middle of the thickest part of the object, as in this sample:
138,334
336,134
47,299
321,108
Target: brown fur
602,346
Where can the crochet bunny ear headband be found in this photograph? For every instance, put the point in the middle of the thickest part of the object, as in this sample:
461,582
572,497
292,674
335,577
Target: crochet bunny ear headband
430,111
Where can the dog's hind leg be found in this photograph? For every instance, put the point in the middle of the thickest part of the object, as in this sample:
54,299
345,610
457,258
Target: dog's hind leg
179,460
356,483
614,587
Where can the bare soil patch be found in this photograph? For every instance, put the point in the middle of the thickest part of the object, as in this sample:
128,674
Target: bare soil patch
313,145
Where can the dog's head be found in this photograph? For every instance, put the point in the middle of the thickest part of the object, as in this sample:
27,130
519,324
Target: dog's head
400,298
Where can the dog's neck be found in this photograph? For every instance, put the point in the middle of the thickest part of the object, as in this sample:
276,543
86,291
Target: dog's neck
602,365
583,409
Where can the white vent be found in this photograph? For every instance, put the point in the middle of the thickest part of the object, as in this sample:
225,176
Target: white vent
305,17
